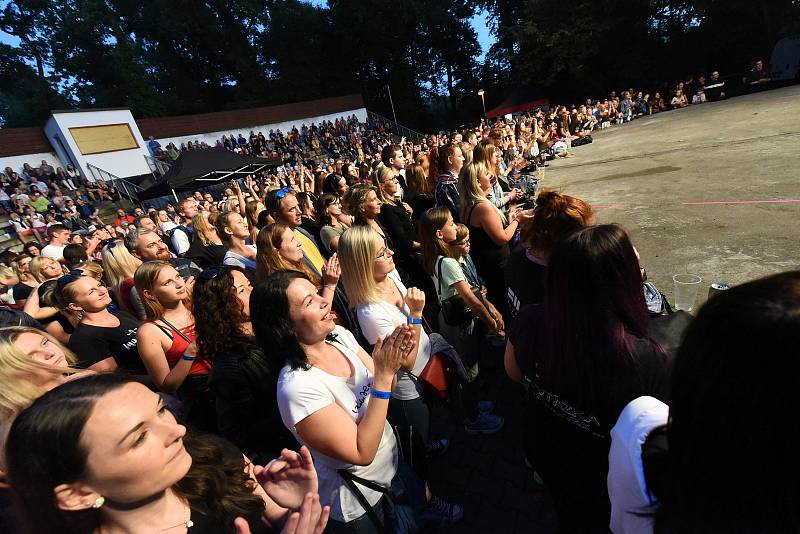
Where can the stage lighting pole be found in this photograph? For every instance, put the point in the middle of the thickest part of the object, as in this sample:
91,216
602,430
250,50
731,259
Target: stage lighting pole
483,104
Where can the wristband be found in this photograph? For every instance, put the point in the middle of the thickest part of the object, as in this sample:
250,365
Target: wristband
385,395
188,357
414,320
330,286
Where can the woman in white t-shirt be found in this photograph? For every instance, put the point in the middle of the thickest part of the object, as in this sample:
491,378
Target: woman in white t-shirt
383,303
331,395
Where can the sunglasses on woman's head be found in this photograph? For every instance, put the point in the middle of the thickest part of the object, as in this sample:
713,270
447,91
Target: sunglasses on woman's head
68,278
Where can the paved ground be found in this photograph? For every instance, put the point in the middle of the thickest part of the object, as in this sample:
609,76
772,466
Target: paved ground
744,149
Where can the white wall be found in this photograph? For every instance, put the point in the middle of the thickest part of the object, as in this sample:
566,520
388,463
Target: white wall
122,163
126,163
285,127
15,162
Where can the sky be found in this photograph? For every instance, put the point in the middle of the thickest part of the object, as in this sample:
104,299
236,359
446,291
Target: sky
479,22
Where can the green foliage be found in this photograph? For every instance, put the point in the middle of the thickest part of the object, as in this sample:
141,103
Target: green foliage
170,57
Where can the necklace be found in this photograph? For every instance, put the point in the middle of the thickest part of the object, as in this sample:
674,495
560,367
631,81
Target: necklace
188,523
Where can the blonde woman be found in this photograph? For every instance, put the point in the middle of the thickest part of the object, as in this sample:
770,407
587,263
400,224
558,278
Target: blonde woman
166,342
206,249
490,230
27,283
45,268
42,269
252,209
278,249
31,363
118,266
395,216
382,303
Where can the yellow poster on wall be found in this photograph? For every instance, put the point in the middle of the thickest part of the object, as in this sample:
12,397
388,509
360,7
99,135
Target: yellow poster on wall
105,138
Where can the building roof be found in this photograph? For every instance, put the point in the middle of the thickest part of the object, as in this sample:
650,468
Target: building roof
19,141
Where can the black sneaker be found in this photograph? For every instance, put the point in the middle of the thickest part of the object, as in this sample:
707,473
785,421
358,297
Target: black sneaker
438,447
442,512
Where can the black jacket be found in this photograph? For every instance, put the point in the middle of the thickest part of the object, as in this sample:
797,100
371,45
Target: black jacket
244,385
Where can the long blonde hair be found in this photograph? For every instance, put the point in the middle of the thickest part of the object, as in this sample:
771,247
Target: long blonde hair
36,267
145,280
268,256
377,180
469,188
358,247
19,392
203,229
118,264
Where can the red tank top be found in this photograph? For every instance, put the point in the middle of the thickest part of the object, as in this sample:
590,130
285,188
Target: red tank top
200,366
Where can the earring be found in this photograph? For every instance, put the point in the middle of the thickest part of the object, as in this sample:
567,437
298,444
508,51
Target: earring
98,502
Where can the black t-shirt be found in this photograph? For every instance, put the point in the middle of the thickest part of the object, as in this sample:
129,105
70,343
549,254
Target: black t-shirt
21,292
569,446
92,344
525,281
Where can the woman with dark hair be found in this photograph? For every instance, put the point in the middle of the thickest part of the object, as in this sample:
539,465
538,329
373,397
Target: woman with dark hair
332,221
242,380
334,184
103,454
585,352
555,216
331,394
726,459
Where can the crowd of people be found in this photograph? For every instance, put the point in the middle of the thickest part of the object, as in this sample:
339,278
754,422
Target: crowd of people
266,357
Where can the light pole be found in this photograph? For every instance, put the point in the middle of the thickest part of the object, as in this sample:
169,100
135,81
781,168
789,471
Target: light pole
483,103
391,102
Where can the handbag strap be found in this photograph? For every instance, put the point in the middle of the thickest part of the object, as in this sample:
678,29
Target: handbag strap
350,479
184,336
439,273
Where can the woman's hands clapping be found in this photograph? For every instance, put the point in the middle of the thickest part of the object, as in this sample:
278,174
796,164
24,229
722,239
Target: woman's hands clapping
289,478
390,352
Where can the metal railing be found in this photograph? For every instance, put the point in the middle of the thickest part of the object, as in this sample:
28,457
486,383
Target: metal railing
396,128
157,167
129,189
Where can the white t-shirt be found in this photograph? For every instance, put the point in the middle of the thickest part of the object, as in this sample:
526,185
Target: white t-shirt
237,260
304,392
180,240
52,251
627,489
380,319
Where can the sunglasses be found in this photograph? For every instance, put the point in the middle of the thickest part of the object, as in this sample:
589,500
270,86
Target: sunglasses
210,274
68,278
283,192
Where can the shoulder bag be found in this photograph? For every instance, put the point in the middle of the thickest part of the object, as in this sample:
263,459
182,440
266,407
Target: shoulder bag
454,310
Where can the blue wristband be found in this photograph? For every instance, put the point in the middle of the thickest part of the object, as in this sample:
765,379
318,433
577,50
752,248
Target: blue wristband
188,357
385,395
414,320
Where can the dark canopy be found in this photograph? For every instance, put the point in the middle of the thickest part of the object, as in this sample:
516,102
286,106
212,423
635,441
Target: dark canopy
520,99
200,168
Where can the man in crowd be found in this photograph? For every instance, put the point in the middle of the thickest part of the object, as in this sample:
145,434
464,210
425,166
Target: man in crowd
58,234
183,233
123,217
148,246
283,207
392,156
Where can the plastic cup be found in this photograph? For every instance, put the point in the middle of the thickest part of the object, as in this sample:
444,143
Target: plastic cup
686,286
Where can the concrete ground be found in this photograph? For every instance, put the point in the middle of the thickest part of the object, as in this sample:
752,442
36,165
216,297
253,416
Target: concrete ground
644,174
